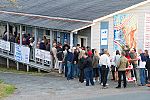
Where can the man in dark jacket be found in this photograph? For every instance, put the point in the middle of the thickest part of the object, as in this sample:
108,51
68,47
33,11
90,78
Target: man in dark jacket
88,69
69,58
75,63
148,68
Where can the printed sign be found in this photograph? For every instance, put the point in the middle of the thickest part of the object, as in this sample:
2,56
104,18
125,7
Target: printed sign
104,34
42,54
5,45
22,54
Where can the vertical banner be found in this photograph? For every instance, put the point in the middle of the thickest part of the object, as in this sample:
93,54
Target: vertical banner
125,27
104,35
22,54
147,32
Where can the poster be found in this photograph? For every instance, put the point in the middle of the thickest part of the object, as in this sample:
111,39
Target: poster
125,27
42,54
147,32
22,54
5,45
104,34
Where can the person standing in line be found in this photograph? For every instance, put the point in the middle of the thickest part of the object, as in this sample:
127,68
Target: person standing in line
60,56
115,69
75,62
122,65
70,57
133,61
88,70
54,52
65,50
147,57
148,68
81,67
142,63
105,64
95,64
89,52
146,54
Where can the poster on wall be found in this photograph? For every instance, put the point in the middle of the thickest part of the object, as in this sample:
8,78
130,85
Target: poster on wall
104,34
125,27
147,32
22,54
5,45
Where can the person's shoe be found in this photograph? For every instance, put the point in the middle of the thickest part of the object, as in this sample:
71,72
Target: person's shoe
92,84
104,87
101,84
107,84
87,84
141,85
118,87
124,86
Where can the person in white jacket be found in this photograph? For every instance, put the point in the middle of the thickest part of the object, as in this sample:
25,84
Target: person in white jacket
105,64
142,63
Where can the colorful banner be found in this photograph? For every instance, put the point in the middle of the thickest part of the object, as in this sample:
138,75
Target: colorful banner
147,32
125,27
22,54
5,45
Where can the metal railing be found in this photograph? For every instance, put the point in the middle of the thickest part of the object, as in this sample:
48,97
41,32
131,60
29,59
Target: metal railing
44,62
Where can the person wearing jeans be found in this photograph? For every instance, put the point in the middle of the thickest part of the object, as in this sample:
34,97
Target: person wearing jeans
88,70
142,63
69,58
122,65
75,63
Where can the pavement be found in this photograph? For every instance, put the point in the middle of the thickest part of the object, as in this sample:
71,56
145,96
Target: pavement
48,87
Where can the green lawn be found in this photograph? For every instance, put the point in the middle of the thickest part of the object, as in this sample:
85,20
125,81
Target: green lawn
4,69
6,89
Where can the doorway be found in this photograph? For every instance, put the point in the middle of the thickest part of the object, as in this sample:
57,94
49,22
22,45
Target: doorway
82,40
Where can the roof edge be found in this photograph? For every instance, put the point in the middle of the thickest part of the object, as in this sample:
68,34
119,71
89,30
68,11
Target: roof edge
118,12
41,16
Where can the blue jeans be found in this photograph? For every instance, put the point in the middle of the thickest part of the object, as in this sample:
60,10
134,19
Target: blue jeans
88,72
142,76
65,68
70,73
100,73
75,70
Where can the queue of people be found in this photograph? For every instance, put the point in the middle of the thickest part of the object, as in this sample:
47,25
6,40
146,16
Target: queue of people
90,66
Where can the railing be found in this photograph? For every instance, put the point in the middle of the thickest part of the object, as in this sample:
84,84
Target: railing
40,58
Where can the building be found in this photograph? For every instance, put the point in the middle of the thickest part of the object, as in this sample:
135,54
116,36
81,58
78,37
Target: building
100,24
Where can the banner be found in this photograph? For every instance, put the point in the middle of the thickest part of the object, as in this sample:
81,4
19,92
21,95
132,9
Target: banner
42,54
104,38
5,45
147,32
22,54
125,27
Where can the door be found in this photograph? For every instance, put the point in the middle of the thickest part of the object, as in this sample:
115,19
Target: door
82,40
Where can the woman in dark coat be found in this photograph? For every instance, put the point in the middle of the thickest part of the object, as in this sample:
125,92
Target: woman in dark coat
81,66
148,68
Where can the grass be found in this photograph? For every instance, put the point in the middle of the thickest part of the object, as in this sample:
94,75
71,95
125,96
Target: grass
6,89
3,69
